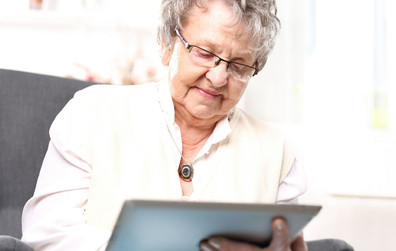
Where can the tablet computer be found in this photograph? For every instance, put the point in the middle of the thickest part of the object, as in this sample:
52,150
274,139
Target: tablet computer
181,225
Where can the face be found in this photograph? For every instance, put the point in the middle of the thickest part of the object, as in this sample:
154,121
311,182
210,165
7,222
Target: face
202,92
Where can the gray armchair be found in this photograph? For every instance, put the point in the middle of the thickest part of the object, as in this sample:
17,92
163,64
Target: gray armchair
28,104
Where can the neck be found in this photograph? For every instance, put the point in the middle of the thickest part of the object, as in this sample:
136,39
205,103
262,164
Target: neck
194,132
193,138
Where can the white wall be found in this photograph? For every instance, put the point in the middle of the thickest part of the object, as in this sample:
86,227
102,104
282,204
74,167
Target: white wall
104,38
322,80
329,81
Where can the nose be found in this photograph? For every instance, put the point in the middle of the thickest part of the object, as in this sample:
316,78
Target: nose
218,74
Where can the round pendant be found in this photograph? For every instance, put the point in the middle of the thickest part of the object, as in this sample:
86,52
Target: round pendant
186,172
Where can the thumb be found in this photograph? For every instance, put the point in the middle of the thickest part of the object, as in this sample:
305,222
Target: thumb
280,239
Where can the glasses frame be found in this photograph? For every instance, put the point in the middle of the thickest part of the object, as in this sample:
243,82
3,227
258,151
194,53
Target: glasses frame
189,47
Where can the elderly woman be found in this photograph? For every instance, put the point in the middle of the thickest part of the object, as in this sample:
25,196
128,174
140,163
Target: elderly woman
181,139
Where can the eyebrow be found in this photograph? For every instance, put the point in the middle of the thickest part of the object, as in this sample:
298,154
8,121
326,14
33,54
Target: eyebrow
209,45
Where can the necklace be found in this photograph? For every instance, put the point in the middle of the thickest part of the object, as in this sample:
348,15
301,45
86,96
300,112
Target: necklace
186,170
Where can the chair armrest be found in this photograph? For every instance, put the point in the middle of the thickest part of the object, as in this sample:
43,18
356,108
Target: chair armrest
9,243
329,245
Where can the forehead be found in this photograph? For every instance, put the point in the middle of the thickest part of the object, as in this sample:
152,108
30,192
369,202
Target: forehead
215,25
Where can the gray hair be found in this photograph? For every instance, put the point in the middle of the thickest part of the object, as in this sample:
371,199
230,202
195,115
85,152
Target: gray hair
258,16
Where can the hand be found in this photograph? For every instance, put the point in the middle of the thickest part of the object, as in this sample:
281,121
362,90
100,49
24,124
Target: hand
280,241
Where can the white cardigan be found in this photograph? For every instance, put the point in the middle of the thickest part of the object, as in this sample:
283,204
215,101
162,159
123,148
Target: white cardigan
123,136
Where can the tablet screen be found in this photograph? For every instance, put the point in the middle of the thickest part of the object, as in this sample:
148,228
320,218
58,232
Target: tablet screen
181,225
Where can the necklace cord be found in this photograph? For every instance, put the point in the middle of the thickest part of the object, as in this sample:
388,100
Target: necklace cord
186,170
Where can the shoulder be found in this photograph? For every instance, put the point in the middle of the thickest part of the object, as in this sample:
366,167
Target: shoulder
273,140
112,99
106,104
107,92
263,133
245,122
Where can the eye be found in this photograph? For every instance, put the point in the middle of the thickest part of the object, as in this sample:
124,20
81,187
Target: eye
204,54
237,68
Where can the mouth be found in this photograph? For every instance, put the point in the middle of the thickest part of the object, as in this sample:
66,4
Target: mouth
208,93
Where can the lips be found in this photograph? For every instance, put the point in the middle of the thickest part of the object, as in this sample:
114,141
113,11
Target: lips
208,93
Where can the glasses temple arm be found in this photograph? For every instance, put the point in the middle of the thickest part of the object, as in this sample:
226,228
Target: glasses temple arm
186,44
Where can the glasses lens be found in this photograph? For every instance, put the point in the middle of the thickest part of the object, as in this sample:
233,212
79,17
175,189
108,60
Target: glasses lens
202,57
240,71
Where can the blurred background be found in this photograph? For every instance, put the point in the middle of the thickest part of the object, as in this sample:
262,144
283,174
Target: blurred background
330,83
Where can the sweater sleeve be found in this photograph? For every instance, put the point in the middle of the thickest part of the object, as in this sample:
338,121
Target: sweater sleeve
53,219
293,185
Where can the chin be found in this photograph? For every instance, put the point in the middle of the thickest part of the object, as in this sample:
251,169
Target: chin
207,114
202,114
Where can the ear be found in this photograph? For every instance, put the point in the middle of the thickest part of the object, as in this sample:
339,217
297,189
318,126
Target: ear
166,54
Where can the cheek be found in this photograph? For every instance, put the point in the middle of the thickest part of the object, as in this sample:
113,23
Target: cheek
183,75
178,79
237,91
235,94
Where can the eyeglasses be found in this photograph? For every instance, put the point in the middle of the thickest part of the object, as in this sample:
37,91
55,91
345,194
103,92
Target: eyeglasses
206,58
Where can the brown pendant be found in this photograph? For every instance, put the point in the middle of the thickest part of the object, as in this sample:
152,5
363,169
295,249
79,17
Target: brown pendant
186,172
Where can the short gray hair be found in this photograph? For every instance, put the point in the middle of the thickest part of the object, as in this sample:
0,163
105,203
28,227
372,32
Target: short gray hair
258,16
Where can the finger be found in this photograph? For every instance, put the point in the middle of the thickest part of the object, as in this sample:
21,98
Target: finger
299,244
280,239
223,244
205,246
